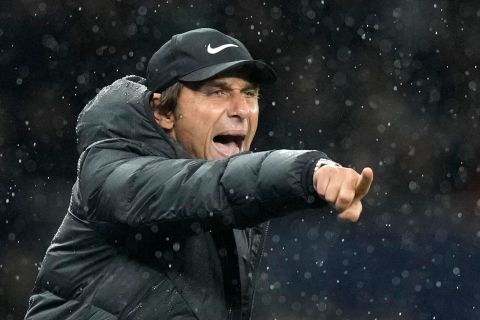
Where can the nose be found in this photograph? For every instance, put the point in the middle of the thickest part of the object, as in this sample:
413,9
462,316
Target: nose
240,106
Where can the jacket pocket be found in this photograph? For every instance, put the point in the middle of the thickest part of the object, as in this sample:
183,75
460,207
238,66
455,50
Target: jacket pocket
46,305
161,300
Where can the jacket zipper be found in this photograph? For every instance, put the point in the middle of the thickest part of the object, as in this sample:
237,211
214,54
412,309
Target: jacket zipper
258,265
230,316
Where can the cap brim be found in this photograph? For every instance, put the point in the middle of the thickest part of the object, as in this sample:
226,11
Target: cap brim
258,71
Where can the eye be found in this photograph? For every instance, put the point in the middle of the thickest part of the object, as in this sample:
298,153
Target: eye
251,93
217,93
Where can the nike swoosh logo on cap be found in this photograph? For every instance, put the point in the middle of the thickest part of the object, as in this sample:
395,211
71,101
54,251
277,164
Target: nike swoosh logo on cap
220,48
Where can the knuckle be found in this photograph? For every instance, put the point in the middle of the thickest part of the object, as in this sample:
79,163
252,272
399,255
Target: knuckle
330,198
344,199
352,173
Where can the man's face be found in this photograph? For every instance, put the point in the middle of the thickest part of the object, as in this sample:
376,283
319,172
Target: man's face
217,118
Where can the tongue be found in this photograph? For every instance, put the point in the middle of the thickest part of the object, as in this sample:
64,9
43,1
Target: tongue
227,148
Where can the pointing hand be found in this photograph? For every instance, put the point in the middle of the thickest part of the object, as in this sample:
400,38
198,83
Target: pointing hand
343,188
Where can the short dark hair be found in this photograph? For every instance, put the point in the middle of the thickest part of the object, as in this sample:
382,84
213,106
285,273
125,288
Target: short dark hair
168,99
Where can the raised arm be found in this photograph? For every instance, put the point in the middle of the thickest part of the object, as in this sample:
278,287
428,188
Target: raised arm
123,188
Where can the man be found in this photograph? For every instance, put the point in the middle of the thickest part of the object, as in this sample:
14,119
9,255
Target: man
169,214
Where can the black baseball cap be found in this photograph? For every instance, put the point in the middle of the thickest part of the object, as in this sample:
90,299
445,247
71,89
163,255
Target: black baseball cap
201,54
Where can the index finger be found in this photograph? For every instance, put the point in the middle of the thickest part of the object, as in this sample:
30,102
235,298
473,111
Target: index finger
364,183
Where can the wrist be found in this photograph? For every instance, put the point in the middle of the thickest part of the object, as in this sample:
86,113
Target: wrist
325,162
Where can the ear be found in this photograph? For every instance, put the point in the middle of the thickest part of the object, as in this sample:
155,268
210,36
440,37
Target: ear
167,121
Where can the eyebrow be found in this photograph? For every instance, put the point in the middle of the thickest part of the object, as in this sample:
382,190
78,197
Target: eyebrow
225,85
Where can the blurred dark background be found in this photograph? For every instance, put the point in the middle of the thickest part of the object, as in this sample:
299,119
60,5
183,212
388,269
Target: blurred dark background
389,84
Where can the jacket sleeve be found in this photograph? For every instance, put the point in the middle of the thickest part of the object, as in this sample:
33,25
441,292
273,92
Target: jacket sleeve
118,186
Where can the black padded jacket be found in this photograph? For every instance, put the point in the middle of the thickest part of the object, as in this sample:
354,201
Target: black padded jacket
151,233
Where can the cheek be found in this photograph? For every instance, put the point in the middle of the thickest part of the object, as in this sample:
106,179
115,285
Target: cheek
254,118
253,124
199,129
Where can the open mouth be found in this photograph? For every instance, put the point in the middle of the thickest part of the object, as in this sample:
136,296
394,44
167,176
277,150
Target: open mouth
228,144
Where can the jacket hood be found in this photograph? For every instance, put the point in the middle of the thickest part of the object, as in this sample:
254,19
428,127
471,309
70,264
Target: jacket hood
122,110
